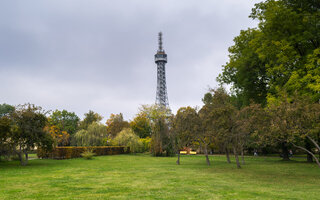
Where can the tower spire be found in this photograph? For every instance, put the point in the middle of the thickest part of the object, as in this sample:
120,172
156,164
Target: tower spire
160,41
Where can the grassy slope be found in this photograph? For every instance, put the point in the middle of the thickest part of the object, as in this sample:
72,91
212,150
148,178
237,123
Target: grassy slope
145,177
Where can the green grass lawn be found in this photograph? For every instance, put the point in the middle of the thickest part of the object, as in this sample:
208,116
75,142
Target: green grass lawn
145,177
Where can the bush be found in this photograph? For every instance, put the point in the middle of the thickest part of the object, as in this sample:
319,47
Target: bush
128,138
75,152
146,142
93,136
88,154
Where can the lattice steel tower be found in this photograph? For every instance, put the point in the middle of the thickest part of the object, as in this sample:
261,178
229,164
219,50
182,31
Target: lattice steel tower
161,60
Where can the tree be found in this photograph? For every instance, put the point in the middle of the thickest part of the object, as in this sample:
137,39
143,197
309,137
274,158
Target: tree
93,136
251,121
5,134
189,126
65,121
161,134
90,118
115,124
281,54
300,118
6,109
182,127
245,70
60,138
28,130
223,119
141,125
126,137
307,120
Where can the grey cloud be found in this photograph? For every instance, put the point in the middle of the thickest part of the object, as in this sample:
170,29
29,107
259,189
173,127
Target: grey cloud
80,55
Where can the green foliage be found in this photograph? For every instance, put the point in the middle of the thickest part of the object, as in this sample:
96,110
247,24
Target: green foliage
88,154
6,147
186,126
292,121
93,136
126,137
245,70
90,118
6,109
141,125
281,54
115,124
161,138
28,130
65,121
207,99
146,144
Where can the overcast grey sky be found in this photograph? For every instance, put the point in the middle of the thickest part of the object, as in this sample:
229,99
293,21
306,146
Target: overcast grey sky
98,55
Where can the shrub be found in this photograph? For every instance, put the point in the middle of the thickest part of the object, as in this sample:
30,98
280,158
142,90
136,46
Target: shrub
146,142
127,138
88,154
75,152
91,137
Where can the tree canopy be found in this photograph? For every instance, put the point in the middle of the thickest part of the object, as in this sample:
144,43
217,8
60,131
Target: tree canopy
281,54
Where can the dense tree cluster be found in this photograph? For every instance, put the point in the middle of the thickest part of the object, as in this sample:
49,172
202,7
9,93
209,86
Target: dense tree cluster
282,53
22,128
277,65
287,123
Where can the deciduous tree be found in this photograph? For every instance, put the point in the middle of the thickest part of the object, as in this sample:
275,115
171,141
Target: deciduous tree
115,124
28,130
90,118
65,121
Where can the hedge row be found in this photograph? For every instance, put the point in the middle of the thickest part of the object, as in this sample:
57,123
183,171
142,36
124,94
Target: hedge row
75,152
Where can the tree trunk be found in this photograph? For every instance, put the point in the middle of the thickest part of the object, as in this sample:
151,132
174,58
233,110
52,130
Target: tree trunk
206,154
242,156
228,156
20,154
27,157
178,161
309,152
237,157
319,143
308,147
285,152
22,160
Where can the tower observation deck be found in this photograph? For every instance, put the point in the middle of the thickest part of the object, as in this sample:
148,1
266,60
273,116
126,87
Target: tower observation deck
161,59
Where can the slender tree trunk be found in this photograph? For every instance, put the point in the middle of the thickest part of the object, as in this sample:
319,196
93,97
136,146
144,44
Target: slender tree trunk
20,154
309,152
319,143
27,157
237,157
178,161
206,154
308,147
22,160
227,154
285,152
242,156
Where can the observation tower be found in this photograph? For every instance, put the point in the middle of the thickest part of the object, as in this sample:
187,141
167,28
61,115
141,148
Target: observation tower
161,59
